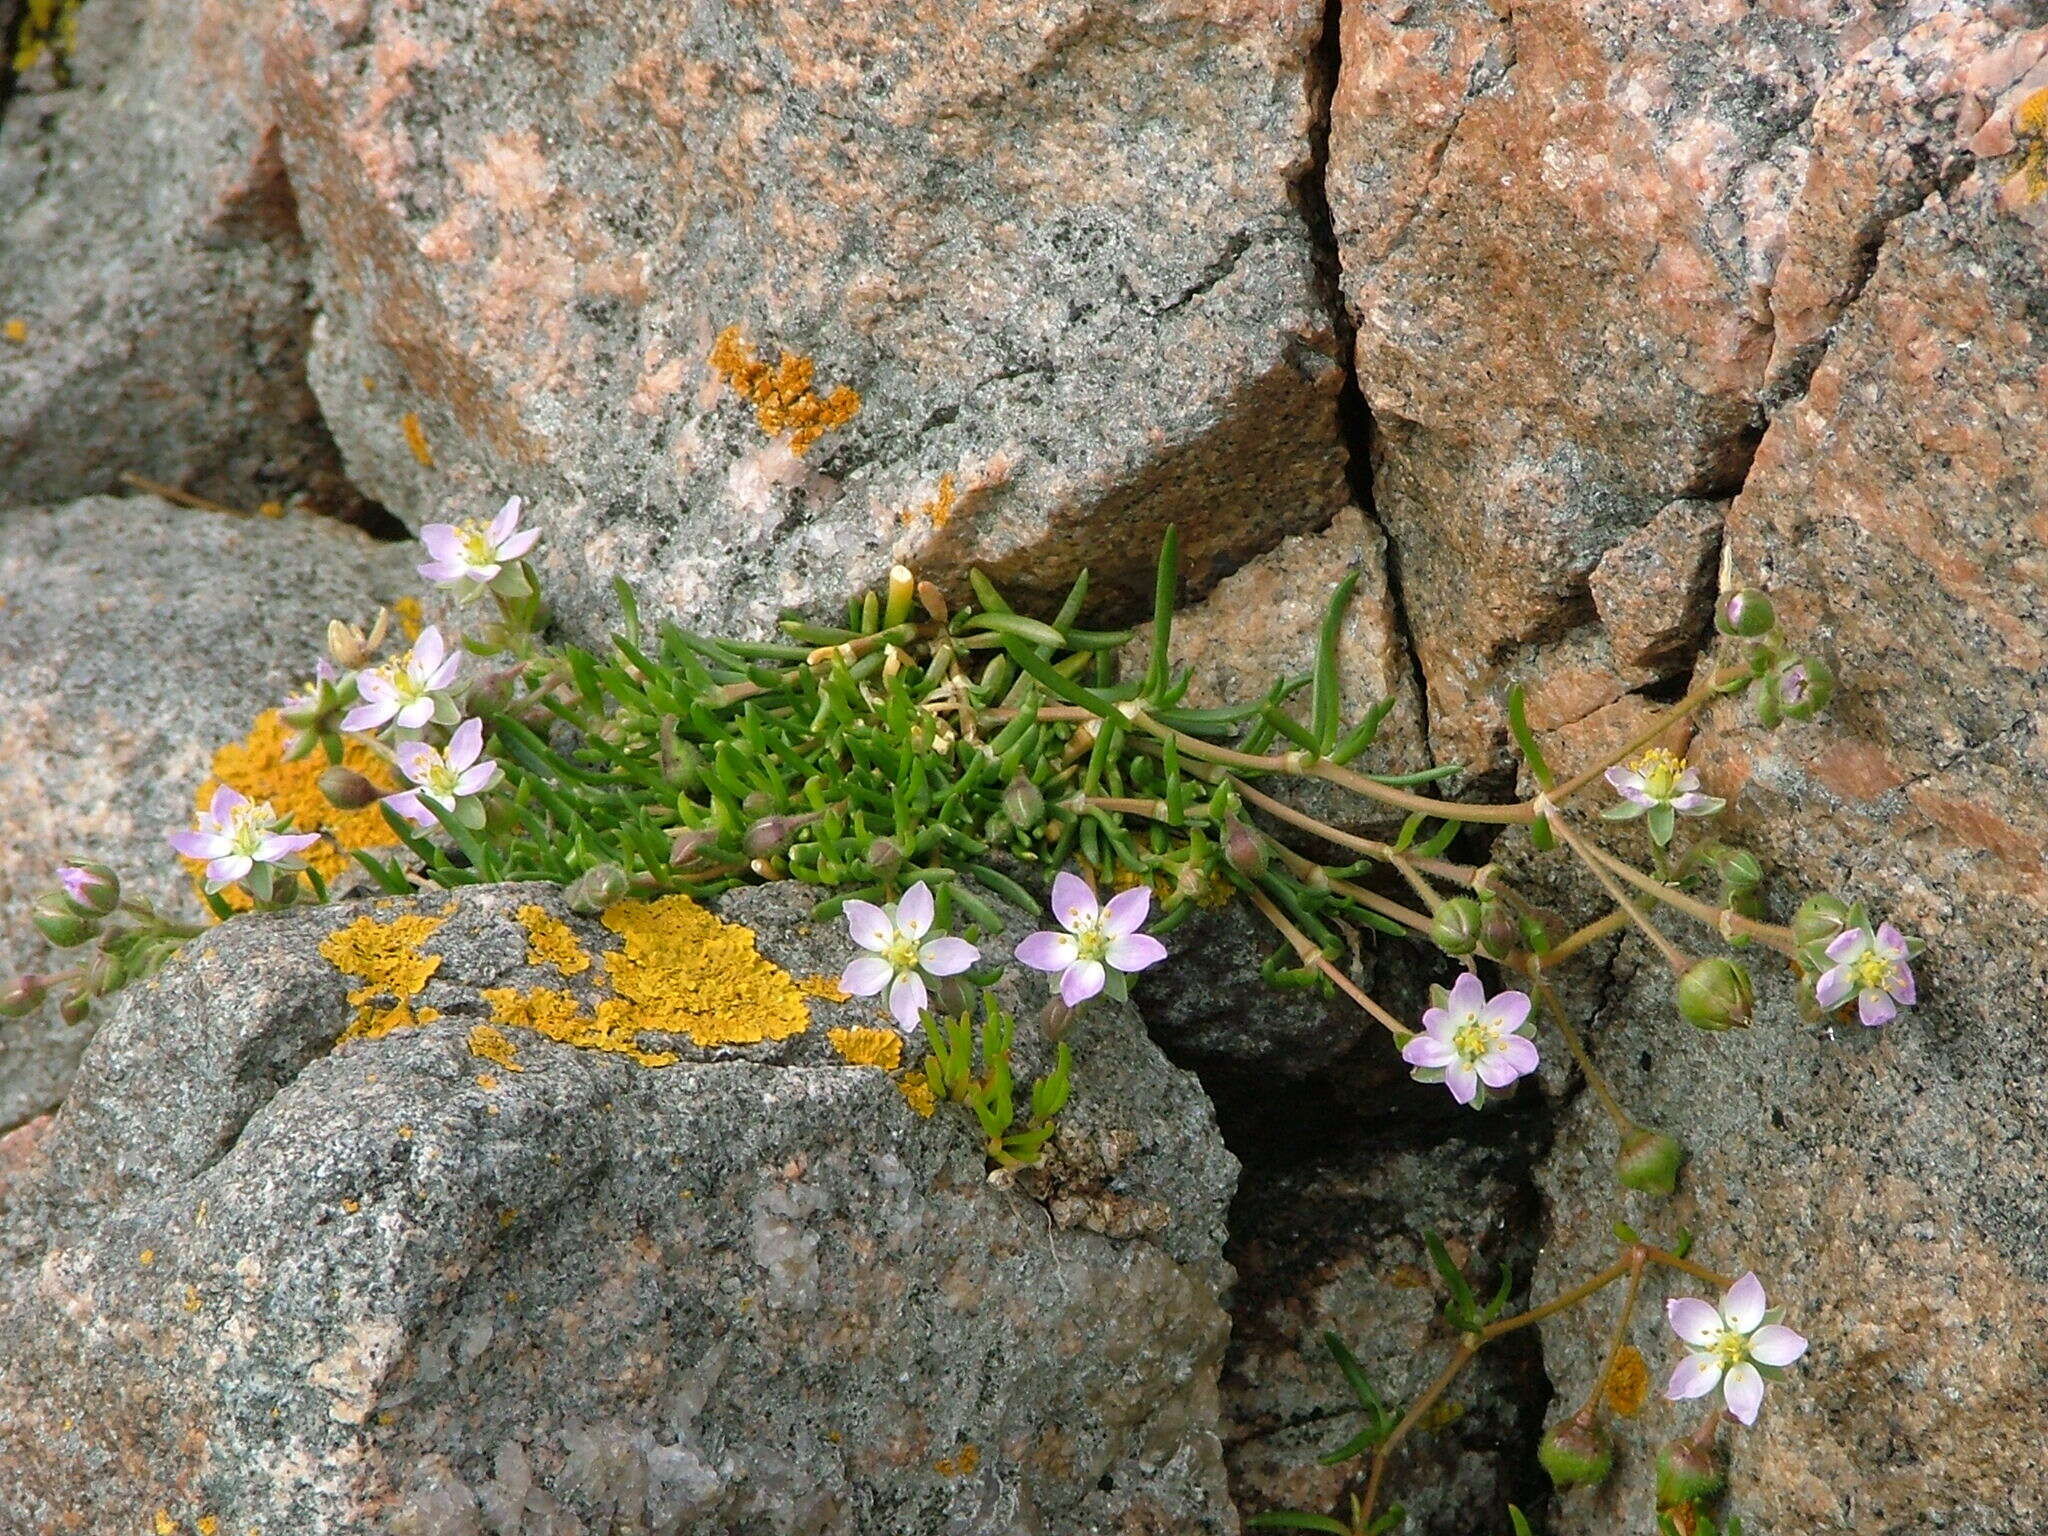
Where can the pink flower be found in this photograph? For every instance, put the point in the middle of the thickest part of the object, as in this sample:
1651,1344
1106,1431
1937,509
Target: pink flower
234,835
472,555
1873,970
1658,784
1101,945
898,951
451,779
409,691
1728,1343
1471,1042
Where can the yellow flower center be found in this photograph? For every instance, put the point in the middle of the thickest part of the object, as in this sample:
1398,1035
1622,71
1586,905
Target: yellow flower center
1660,770
901,952
1872,971
475,535
1473,1041
1731,1349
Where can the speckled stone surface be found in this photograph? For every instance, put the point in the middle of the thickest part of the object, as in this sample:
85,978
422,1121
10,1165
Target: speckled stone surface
390,1286
136,638
634,261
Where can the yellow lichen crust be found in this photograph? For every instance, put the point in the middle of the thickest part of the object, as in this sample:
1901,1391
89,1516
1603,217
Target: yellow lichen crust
823,987
46,25
550,941
561,1018
782,397
411,617
257,768
918,1094
486,1043
683,971
386,958
868,1047
1628,1383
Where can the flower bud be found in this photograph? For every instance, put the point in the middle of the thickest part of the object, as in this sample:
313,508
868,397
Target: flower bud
767,837
1576,1452
1686,1473
885,855
1738,868
595,889
75,1008
955,996
1649,1162
347,789
23,996
350,647
1500,935
1243,849
104,975
1747,613
1803,687
61,923
93,890
1023,804
1716,994
1819,919
1456,927
1056,1019
691,844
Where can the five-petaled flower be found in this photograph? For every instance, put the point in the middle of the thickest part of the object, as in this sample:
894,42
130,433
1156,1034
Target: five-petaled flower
1727,1344
1870,968
899,951
1101,944
409,691
473,555
1658,784
235,834
450,779
1470,1042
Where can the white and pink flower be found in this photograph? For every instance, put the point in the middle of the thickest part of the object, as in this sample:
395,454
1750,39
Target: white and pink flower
472,555
236,834
1472,1043
1658,784
899,955
1101,944
1870,967
452,779
409,691
1731,1347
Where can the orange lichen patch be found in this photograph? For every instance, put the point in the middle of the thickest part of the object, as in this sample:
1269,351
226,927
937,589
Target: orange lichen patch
960,1464
868,1047
683,971
411,617
782,396
257,768
207,1525
46,25
561,1018
15,330
918,1094
271,509
550,941
386,958
937,508
1628,1384
824,987
416,439
165,1525
486,1043
2030,124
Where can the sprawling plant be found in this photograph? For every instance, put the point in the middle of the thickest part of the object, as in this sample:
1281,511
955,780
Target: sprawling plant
923,756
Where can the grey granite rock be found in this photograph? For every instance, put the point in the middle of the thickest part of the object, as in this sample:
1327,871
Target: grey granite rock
381,1284
136,638
752,303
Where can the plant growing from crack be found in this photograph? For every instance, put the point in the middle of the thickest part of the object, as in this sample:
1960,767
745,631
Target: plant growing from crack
924,756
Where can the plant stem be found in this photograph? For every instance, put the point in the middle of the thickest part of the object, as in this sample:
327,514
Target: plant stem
1311,954
1399,1432
1371,900
1618,1336
1464,874
1531,964
1601,1090
1723,921
1691,704
1675,957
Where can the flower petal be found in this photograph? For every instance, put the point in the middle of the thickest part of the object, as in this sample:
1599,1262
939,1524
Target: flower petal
1890,942
1428,1051
200,845
416,760
1496,1071
1834,987
1073,903
869,925
1775,1344
1509,1009
1694,1376
1134,952
1743,1307
1521,1053
506,522
444,570
1048,951
518,544
466,744
947,956
1622,780
477,778
1901,986
1848,944
230,868
407,804
1693,1320
914,911
907,999
428,650
1126,913
443,541
225,803
866,975
1081,981
1743,1391
1875,1008
1462,1081
1468,994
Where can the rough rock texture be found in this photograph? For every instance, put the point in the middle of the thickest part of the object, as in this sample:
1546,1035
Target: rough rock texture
1335,1244
152,280
391,1285
1589,249
1884,1183
753,301
135,639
